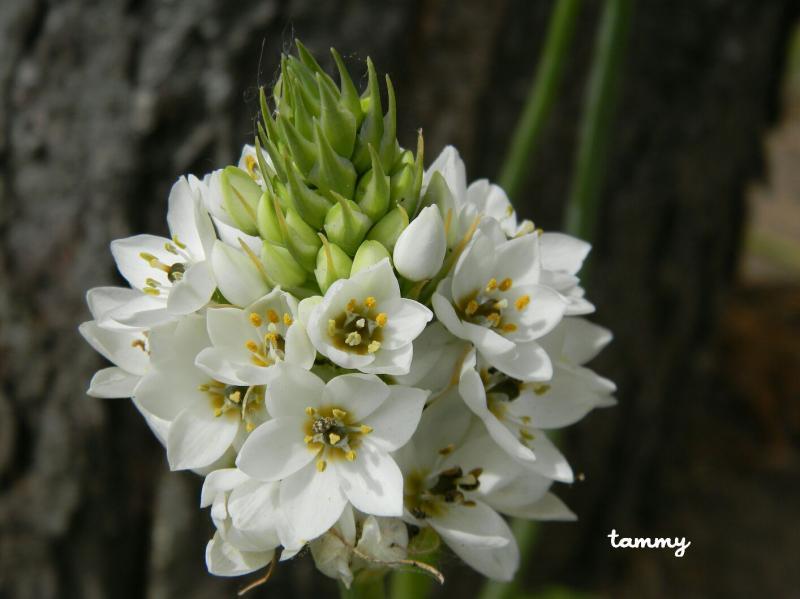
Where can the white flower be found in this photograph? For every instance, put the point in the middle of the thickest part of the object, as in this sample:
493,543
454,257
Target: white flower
420,249
507,408
238,274
438,355
562,258
247,344
175,274
329,443
439,492
363,323
207,416
494,300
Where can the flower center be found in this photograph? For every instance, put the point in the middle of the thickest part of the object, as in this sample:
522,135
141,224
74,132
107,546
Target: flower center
334,433
174,271
501,391
358,329
240,401
271,345
487,306
428,496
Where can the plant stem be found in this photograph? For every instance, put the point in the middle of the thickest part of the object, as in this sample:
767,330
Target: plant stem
540,99
590,161
407,584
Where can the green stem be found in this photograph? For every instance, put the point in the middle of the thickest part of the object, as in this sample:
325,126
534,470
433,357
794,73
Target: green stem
409,584
595,133
541,97
372,587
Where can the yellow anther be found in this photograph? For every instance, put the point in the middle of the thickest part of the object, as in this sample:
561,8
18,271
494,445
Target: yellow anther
501,304
151,282
509,327
370,302
321,465
522,301
526,434
353,339
337,413
448,449
361,323
311,411
308,439
471,308
541,389
170,248
147,257
491,285
250,164
272,315
249,426
217,412
251,345
351,305
526,419
202,387
365,429
151,291
506,284
350,456
373,347
334,438
255,320
271,339
331,327
287,319
139,343
494,318
177,242
258,361
235,397
381,319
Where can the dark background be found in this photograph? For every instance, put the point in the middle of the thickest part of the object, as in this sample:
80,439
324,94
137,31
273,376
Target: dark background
104,104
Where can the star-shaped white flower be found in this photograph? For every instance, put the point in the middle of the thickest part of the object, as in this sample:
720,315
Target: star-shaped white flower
329,444
562,258
174,275
494,299
363,323
248,344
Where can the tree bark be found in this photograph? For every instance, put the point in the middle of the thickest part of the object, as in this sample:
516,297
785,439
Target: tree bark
104,104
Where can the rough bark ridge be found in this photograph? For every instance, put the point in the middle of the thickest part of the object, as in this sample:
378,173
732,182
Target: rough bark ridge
102,105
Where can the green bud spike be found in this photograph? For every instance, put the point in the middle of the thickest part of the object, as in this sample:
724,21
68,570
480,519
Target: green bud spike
402,186
369,253
373,190
438,194
338,124
280,266
346,225
389,140
301,116
309,204
419,170
267,219
349,94
305,84
301,240
372,128
240,195
302,151
279,91
388,229
272,150
332,264
266,171
308,59
331,173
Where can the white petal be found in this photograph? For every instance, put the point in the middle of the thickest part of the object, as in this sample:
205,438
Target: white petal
372,482
471,525
292,391
357,394
312,500
549,460
421,247
451,166
116,346
223,559
583,340
127,254
159,426
144,311
102,300
113,382
229,330
549,507
543,313
397,418
189,224
197,438
518,259
238,278
299,349
407,319
275,450
193,291
391,361
220,481
217,364
474,268
526,362
253,507
563,252
378,281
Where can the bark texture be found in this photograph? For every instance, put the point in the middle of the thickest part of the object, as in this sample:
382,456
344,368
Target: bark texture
104,104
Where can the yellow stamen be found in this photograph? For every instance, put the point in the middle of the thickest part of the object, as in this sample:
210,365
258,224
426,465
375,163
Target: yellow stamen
494,319
235,397
250,164
381,319
271,339
353,339
249,426
177,242
334,438
350,456
541,389
151,291
311,411
366,429
505,284
331,327
361,323
308,439
522,301
373,347
321,465
272,315
491,285
370,302
337,413
351,305
501,304
525,434
217,412
509,327
471,308
255,320
447,449
170,248
139,343
258,361
252,346
287,319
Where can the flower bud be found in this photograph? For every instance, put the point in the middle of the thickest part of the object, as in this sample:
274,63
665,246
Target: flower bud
370,252
346,225
372,128
309,204
301,240
338,124
240,195
331,172
438,194
373,192
349,94
403,188
388,229
302,151
420,250
332,264
267,220
281,267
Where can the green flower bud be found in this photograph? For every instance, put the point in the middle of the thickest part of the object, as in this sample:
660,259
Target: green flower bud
309,204
372,193
308,59
332,264
331,173
369,253
389,145
346,225
305,84
302,151
267,220
403,188
240,196
372,128
302,240
388,229
349,94
438,194
338,124
281,267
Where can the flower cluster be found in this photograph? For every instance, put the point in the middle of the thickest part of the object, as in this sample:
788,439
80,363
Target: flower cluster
359,355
